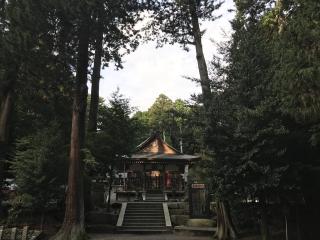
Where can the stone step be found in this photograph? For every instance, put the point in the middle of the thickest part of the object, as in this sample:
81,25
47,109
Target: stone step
128,224
144,210
141,230
143,204
141,220
144,217
145,207
143,227
144,214
155,224
144,220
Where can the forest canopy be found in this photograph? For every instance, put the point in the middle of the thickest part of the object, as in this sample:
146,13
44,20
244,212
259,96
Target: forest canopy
255,123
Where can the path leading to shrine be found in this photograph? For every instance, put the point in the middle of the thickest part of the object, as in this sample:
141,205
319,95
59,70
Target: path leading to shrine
146,237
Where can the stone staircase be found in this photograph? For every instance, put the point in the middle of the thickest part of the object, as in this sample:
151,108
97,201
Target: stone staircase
144,217
155,197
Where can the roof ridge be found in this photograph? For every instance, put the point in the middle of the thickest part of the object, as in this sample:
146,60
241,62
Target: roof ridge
153,137
174,149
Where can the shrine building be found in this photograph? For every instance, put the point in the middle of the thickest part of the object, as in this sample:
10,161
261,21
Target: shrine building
156,167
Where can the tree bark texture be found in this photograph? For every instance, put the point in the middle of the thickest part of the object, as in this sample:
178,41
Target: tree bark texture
73,224
6,109
202,65
94,102
5,113
279,16
225,228
110,189
264,228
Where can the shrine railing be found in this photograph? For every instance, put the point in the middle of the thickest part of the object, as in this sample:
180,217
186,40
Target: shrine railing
174,183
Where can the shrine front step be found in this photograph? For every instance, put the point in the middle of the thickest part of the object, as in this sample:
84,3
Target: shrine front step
155,197
144,217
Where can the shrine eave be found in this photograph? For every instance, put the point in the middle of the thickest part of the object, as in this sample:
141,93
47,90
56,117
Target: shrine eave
150,157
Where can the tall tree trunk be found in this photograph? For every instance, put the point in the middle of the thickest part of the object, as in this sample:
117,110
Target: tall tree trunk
279,16
6,109
264,228
94,103
110,189
82,122
224,222
225,228
5,113
73,224
202,65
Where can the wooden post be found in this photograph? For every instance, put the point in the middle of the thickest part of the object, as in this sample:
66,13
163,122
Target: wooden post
190,200
24,233
164,176
13,234
124,179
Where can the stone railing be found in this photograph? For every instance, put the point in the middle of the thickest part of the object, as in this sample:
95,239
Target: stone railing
19,234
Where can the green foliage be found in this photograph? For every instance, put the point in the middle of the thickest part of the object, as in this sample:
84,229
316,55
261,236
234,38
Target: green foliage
297,54
115,136
173,21
263,134
39,168
160,111
175,120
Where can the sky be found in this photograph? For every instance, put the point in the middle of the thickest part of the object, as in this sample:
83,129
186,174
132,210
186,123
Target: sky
150,71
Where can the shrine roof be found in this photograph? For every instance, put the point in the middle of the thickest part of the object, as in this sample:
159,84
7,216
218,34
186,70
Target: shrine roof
154,148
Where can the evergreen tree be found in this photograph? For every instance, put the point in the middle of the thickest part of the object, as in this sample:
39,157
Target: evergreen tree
39,170
179,22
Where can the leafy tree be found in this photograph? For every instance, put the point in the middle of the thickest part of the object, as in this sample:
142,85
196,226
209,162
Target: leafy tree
179,122
39,171
179,22
27,35
114,138
253,131
143,129
159,113
118,19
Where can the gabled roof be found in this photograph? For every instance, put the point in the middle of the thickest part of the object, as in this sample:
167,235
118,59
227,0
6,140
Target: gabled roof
154,144
154,148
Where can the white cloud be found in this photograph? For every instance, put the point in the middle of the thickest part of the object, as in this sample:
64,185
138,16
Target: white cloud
149,71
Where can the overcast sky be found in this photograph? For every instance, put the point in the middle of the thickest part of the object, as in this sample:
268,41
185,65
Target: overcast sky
149,72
